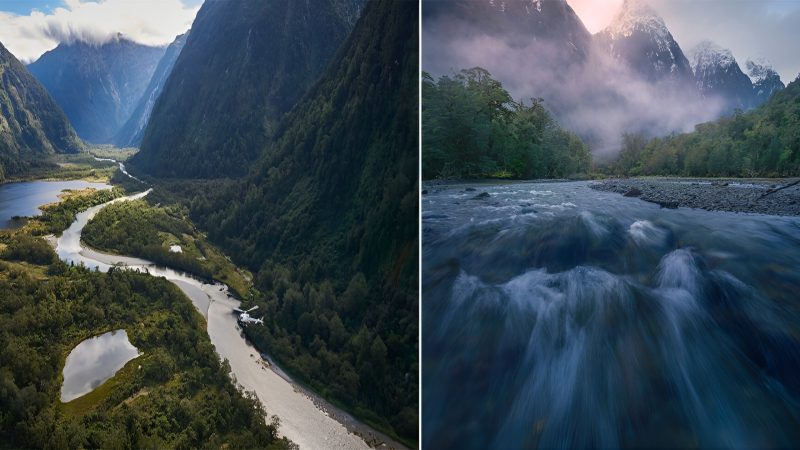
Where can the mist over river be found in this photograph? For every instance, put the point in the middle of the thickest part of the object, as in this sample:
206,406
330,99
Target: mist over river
555,316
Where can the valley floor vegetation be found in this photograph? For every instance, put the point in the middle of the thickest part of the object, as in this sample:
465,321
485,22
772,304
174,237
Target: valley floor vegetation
73,166
176,394
137,229
764,142
473,128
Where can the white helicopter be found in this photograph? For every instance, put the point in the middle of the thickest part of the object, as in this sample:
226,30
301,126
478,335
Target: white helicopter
245,318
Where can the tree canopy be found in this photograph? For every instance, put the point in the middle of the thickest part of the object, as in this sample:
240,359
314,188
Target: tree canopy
764,142
472,127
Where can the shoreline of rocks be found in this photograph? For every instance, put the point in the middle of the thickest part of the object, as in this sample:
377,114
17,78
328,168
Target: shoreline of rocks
780,197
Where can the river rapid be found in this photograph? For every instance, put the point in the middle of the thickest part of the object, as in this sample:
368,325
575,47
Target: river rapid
558,316
305,419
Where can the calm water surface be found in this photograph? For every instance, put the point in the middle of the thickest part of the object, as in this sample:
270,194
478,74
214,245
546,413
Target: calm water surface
94,361
25,198
556,316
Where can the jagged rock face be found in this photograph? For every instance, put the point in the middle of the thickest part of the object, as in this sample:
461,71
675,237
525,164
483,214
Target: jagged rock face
130,135
97,86
766,81
717,74
32,125
639,38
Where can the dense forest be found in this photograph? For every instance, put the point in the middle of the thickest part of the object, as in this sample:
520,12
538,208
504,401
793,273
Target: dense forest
58,216
134,228
32,126
472,128
245,64
176,394
764,142
131,228
328,223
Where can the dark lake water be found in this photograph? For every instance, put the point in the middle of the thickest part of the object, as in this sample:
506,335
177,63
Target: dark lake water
24,198
556,316
94,361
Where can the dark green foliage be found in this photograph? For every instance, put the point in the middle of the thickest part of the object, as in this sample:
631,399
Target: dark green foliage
472,128
32,125
764,142
97,86
245,64
181,397
59,216
30,249
328,220
130,228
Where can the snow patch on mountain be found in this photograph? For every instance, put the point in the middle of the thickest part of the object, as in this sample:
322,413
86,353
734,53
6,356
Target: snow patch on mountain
637,15
710,55
766,80
759,70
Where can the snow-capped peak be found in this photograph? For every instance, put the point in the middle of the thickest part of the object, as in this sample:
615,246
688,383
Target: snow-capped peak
709,54
759,70
637,15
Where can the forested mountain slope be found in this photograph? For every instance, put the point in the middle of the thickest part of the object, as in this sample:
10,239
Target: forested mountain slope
244,65
328,221
31,123
97,86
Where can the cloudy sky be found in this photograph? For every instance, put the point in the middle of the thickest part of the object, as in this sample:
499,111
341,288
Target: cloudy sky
768,29
29,28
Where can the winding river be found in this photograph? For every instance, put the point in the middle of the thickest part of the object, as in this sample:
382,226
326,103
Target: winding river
558,316
305,418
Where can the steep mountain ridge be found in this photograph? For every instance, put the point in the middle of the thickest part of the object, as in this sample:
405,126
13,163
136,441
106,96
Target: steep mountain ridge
32,125
766,80
131,133
639,38
518,23
717,74
327,219
244,65
97,86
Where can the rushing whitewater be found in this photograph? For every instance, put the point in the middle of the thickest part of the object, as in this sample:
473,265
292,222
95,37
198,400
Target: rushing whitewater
579,318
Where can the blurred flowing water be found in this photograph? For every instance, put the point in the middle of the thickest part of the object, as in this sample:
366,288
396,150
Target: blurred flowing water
556,316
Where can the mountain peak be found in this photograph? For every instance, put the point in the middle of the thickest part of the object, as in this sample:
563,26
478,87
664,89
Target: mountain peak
766,80
637,15
708,54
759,70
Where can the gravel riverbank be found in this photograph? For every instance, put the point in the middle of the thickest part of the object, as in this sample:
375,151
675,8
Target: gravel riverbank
762,196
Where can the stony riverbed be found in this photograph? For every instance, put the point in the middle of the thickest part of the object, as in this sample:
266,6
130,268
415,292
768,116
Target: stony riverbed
734,195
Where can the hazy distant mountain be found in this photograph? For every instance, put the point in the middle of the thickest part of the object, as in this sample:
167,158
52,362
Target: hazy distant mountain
639,38
244,65
130,135
598,86
97,86
766,81
521,24
717,74
31,123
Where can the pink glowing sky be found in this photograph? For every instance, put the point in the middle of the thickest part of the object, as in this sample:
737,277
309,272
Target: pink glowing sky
749,28
595,14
